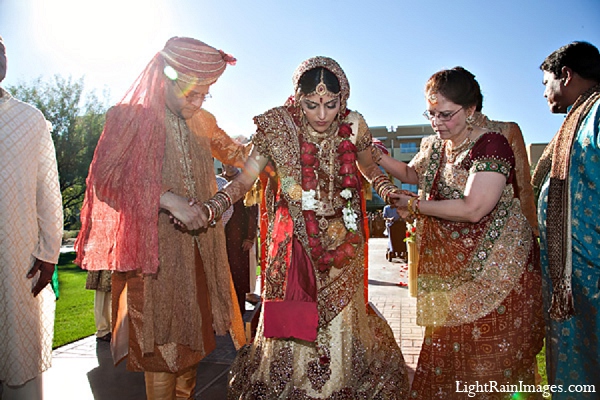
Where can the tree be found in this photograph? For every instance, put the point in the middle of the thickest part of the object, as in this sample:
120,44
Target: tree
76,126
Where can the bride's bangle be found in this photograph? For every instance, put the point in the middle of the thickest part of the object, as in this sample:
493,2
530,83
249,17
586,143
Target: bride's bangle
217,205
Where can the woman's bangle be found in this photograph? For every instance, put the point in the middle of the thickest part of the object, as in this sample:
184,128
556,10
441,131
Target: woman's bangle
211,213
409,206
376,154
383,186
413,206
217,205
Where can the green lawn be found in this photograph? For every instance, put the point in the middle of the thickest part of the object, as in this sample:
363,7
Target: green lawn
75,307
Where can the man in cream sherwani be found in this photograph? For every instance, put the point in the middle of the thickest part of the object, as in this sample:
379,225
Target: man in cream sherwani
31,221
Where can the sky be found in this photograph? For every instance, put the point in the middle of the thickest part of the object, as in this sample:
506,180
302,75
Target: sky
388,49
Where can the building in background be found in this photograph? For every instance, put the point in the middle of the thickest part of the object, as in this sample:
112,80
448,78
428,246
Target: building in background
403,142
534,152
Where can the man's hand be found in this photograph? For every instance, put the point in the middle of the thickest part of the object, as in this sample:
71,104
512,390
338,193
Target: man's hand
400,202
184,211
46,271
247,244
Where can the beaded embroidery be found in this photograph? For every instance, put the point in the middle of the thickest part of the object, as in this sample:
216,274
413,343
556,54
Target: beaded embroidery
493,248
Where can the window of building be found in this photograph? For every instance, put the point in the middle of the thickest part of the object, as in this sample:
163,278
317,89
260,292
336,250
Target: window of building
408,147
412,188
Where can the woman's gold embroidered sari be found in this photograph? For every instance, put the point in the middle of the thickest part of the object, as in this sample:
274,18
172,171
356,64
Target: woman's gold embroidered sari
479,283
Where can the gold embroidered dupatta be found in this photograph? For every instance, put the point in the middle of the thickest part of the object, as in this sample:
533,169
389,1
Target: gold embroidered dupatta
277,138
465,269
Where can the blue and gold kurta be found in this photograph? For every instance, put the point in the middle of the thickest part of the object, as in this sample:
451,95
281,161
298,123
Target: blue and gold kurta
572,351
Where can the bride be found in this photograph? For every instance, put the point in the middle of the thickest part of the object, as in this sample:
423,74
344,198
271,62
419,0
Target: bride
315,339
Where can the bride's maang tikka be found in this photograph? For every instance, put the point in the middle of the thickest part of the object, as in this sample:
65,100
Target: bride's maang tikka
321,88
331,65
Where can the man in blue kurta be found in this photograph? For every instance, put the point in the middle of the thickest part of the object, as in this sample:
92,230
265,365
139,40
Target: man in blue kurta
567,179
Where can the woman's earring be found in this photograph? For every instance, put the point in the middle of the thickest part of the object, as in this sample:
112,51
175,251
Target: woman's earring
470,120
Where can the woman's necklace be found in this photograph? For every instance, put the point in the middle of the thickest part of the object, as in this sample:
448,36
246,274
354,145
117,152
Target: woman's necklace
314,136
325,209
453,152
327,143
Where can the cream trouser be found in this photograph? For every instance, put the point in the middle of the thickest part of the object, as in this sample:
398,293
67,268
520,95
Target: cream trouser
102,312
168,386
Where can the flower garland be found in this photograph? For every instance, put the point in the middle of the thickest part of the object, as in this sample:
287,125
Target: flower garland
341,256
411,232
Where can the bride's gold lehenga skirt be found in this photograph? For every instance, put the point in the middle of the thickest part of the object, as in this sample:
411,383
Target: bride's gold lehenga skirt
364,362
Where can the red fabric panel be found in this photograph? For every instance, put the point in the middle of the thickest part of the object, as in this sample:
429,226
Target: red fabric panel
297,315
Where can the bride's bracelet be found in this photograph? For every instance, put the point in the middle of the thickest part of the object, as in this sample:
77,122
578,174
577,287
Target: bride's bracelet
384,187
217,205
376,154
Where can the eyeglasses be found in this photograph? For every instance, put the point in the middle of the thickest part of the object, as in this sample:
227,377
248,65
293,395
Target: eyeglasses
193,96
443,116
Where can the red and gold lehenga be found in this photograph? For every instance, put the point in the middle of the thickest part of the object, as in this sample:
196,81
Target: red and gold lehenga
479,283
315,339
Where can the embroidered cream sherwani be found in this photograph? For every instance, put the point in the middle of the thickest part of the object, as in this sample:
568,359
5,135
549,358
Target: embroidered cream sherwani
31,222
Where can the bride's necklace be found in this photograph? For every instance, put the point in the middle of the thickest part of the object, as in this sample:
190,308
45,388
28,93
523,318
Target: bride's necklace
327,144
325,209
453,152
314,136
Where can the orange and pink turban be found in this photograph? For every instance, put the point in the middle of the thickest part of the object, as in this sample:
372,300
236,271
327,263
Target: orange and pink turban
119,217
195,62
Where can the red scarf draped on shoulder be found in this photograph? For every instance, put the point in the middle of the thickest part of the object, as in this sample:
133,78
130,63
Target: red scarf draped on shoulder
119,217
120,211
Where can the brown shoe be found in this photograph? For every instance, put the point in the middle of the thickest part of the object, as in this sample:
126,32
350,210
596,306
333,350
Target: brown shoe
252,298
105,338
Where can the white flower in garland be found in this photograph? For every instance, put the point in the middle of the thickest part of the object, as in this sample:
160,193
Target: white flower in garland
349,217
346,193
309,203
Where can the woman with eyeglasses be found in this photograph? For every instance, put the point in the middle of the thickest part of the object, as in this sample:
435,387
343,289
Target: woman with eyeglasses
479,282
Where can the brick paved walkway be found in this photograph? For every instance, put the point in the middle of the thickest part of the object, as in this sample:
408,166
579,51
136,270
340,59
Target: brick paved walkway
394,302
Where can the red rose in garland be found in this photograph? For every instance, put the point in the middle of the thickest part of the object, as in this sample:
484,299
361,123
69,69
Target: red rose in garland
309,148
347,169
309,161
339,257
353,238
324,263
345,131
349,181
313,241
348,158
348,249
346,146
308,172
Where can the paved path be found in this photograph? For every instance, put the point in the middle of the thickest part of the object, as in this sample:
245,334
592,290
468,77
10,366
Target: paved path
83,370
